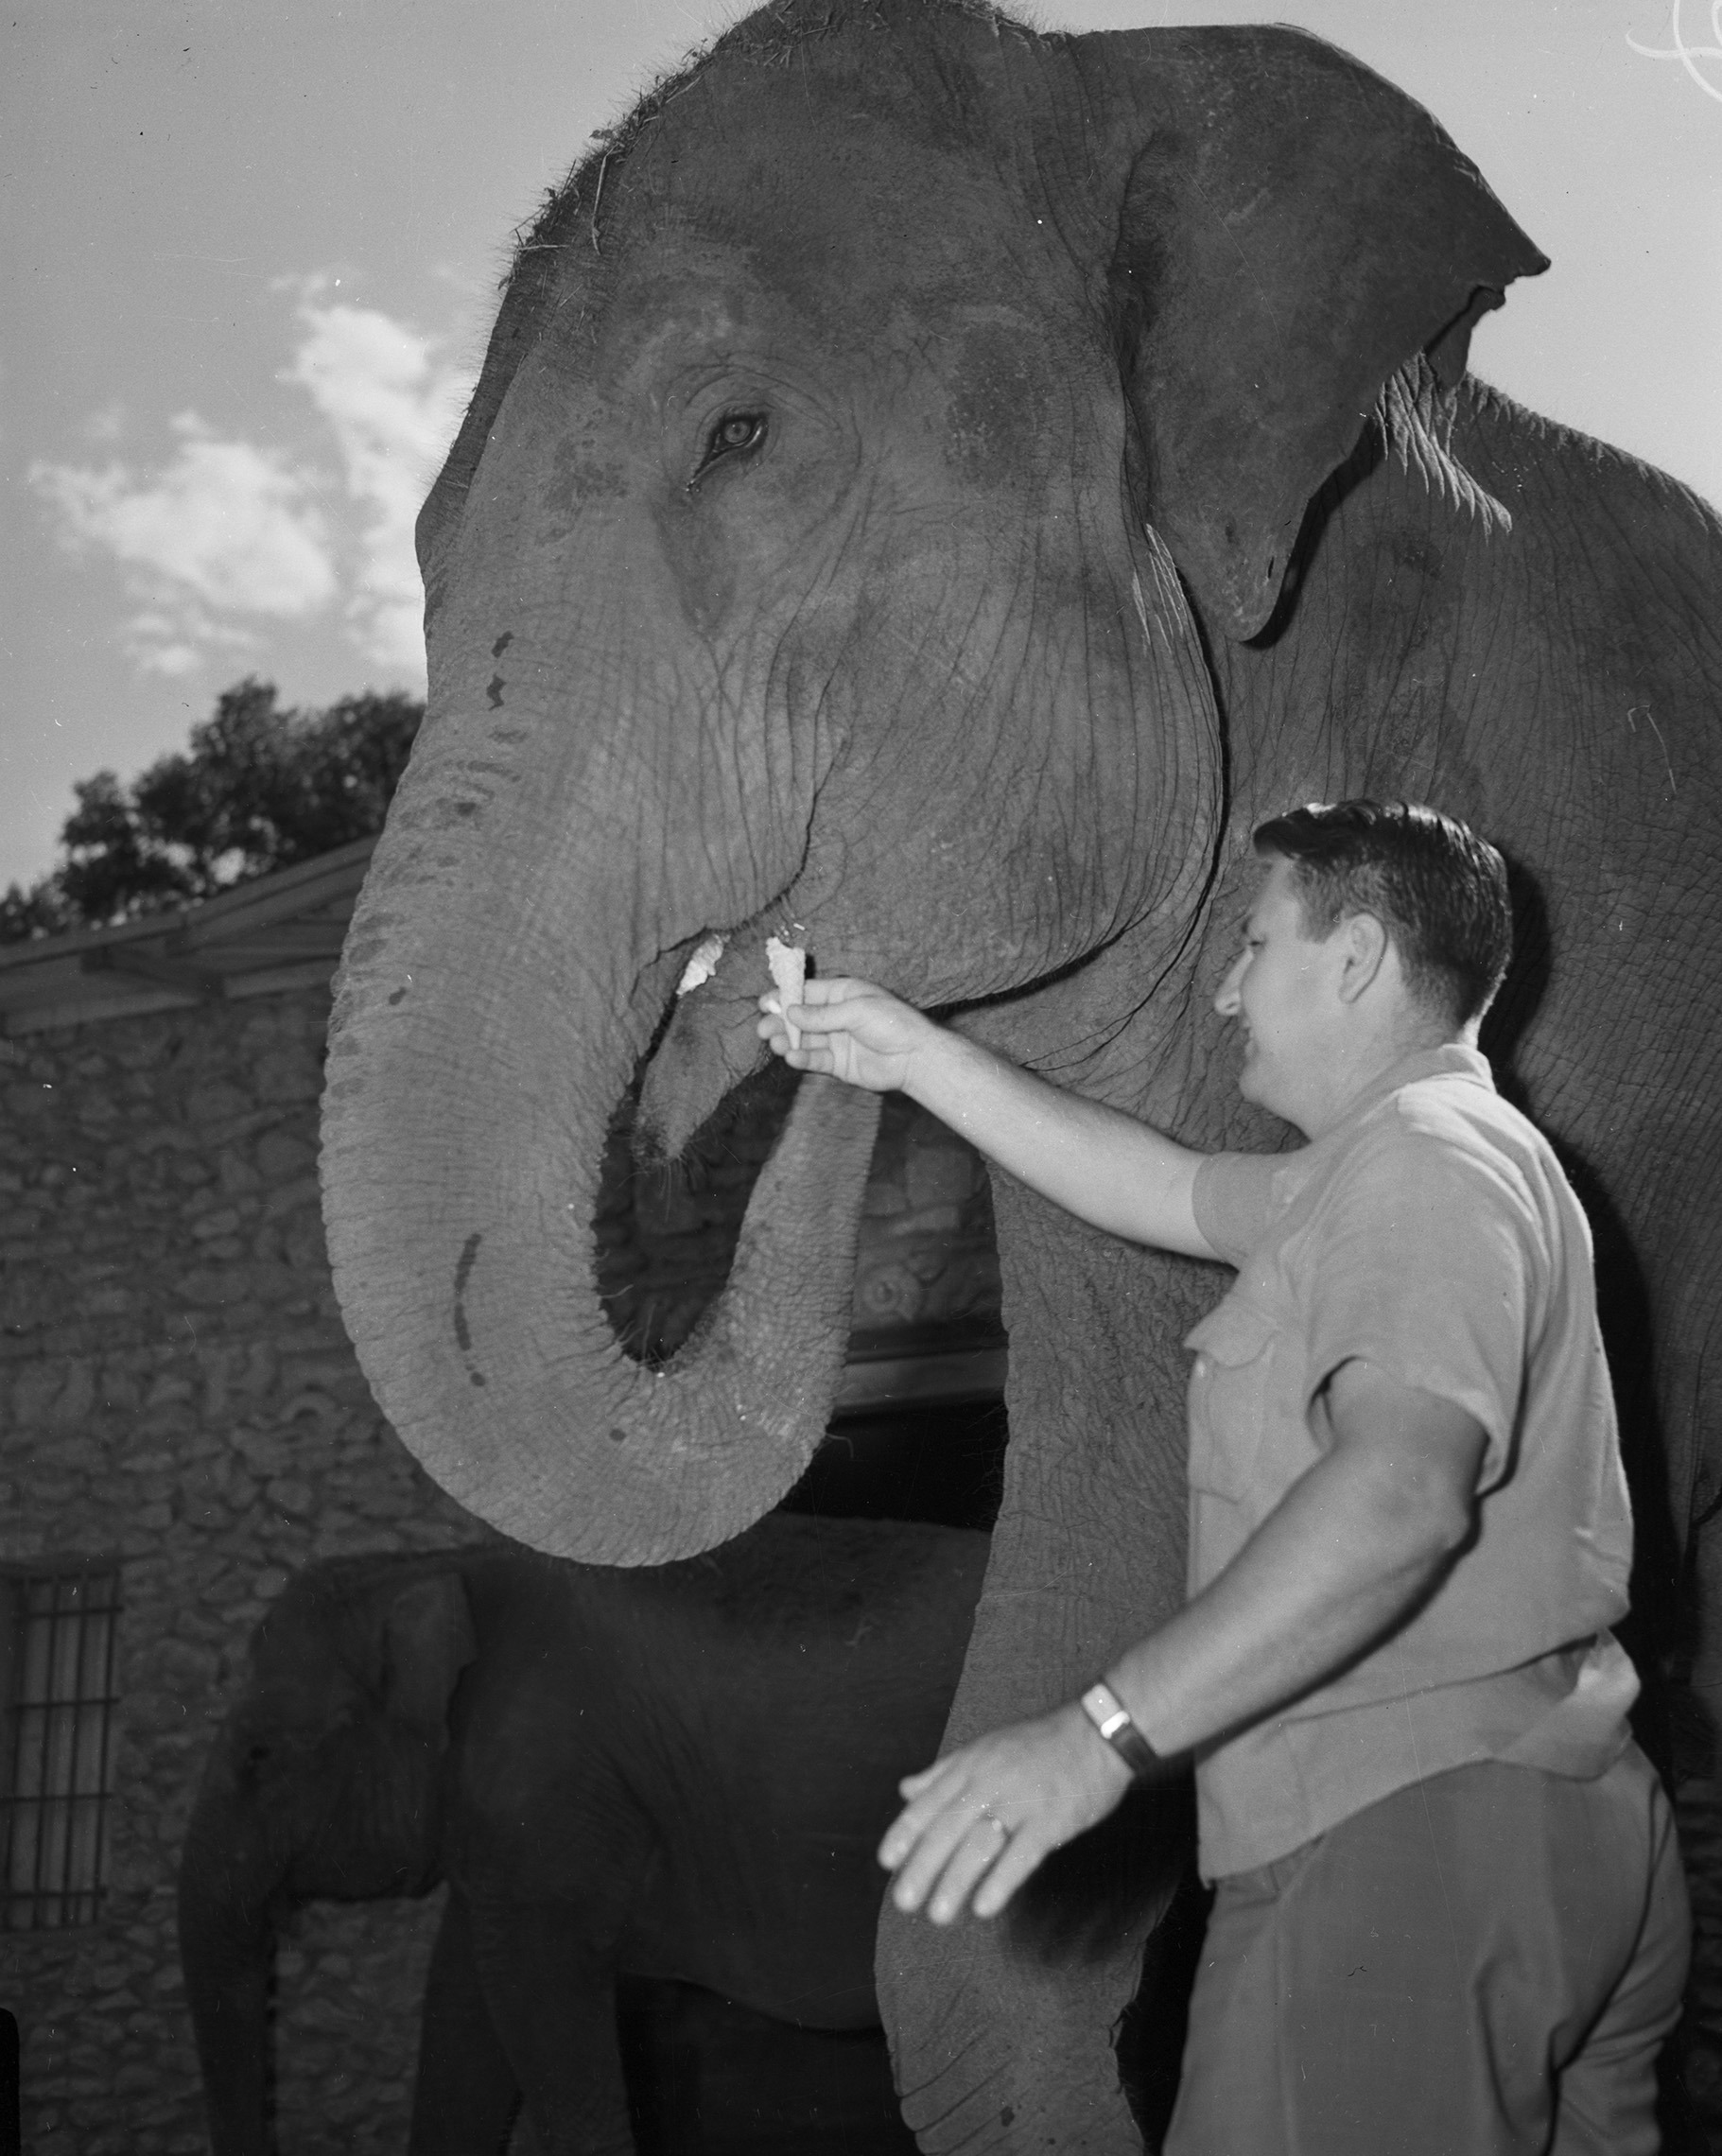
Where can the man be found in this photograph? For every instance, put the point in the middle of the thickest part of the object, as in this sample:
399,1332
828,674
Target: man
1448,1911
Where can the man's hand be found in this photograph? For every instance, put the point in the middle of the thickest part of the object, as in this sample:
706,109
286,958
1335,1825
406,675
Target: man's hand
850,1029
979,1822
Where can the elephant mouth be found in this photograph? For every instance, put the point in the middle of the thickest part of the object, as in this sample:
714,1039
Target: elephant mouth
667,1220
516,1343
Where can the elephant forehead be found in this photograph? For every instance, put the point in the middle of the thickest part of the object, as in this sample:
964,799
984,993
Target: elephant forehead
687,301
834,187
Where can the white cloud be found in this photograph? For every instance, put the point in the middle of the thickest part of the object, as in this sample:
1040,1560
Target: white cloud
393,410
177,638
232,534
166,657
224,528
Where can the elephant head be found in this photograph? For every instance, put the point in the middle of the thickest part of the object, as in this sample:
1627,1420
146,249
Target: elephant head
324,1782
814,559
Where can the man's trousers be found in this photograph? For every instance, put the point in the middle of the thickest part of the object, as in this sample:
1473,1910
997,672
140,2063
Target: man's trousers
1482,1964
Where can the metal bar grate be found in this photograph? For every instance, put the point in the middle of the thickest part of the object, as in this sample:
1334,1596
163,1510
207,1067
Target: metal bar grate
60,1712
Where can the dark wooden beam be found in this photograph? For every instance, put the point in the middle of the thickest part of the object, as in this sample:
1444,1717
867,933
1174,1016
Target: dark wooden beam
164,972
285,945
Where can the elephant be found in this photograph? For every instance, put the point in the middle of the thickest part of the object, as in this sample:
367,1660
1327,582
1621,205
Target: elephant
674,1773
933,487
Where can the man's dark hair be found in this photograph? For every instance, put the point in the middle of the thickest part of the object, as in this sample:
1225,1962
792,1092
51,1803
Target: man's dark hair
1437,888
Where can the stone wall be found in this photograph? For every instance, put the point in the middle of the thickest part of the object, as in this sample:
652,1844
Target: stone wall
179,1398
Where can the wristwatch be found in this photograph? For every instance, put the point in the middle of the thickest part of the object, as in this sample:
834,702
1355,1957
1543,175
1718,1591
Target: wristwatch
1111,1719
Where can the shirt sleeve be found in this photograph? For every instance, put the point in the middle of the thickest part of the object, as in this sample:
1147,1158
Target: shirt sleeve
1232,1199
1424,1264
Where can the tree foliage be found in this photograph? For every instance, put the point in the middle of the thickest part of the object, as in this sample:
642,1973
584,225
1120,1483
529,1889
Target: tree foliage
258,789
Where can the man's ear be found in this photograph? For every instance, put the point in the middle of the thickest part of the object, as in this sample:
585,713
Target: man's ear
1365,944
1290,230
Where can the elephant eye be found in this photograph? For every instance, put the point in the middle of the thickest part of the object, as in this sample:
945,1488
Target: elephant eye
735,432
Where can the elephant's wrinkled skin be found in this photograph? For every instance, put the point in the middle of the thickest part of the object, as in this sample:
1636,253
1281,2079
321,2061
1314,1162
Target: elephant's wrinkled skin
942,485
675,1773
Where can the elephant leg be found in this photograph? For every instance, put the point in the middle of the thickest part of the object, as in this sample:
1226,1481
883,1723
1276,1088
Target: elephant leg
466,2096
1002,2032
552,1996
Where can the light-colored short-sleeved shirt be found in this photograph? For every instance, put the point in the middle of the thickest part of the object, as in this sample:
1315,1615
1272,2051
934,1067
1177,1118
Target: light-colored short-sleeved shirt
1434,1234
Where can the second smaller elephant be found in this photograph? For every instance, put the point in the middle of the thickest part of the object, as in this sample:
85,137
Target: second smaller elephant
680,1772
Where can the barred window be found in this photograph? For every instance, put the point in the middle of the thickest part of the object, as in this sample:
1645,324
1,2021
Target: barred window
57,1641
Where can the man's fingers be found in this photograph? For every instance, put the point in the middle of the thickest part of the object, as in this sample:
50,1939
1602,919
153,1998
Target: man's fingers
979,1867
924,1778
913,1822
926,1795
819,1018
962,1835
826,1006
968,1864
772,1029
775,1026
962,1778
926,1832
1017,1860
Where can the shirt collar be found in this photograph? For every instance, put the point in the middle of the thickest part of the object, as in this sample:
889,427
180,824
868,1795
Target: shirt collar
1453,1059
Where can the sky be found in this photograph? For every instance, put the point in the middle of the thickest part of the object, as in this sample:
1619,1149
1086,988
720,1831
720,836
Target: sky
249,251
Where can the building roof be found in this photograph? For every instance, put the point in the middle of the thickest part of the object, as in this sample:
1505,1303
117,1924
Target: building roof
280,931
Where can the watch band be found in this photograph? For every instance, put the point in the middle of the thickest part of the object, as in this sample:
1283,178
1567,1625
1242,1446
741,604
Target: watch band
1111,1720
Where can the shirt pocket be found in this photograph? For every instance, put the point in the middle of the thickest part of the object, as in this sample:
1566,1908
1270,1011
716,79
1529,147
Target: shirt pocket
1229,1398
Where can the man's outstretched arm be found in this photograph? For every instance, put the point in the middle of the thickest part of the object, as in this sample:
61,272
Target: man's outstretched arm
1096,1162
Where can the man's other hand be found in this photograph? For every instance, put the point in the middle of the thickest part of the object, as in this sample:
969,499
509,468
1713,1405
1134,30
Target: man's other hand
978,1822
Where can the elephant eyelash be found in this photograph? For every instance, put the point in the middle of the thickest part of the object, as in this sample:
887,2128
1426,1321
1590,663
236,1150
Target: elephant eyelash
733,435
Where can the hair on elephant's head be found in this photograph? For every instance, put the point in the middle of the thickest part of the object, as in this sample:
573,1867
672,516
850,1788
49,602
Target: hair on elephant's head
818,556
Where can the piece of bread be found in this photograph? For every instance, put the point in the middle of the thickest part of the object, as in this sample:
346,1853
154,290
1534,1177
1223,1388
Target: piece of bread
788,964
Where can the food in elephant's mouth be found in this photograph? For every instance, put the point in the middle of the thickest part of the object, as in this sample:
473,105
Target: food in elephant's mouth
702,965
788,964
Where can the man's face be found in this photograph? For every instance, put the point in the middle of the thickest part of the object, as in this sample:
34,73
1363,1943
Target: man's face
1282,990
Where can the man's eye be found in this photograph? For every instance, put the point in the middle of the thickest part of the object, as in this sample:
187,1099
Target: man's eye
735,431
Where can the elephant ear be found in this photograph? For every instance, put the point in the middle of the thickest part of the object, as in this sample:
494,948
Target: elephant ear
1291,231
428,1641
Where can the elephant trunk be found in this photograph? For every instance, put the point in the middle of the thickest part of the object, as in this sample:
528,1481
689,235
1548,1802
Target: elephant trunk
464,1121
227,1945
